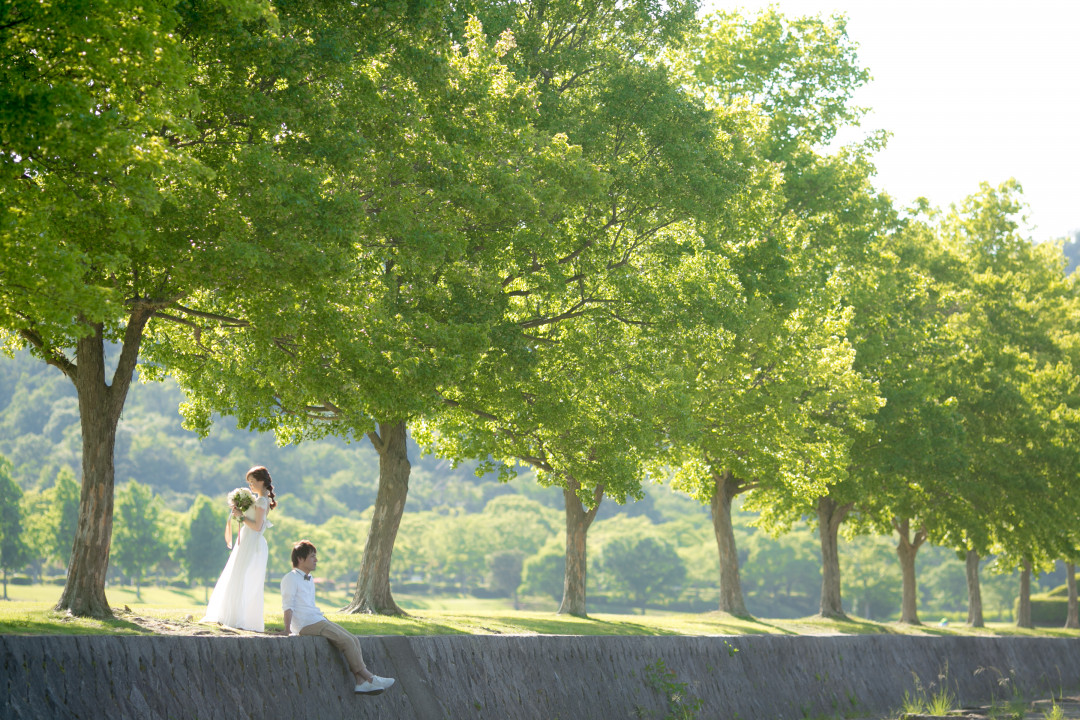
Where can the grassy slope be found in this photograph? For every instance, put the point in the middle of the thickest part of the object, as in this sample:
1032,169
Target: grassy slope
165,610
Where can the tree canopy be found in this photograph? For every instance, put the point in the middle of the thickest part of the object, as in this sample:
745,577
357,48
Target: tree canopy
610,241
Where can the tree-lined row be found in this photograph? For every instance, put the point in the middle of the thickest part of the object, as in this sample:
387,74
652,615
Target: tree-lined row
603,239
513,548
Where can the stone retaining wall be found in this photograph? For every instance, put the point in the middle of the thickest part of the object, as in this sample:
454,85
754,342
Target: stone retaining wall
516,677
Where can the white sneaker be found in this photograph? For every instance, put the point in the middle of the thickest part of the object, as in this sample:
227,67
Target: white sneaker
382,682
368,688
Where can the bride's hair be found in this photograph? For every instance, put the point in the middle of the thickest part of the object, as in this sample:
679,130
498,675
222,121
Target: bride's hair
263,475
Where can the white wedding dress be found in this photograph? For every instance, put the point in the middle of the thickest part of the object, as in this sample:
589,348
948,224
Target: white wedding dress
237,600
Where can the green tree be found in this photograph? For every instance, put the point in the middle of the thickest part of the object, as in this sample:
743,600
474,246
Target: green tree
203,553
586,404
543,573
456,547
63,514
203,171
139,543
871,576
1017,389
969,451
51,516
774,391
67,175
643,568
1046,325
504,572
782,571
37,530
518,523
452,209
14,552
943,582
900,298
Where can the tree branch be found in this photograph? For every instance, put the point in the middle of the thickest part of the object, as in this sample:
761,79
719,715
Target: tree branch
920,536
573,312
129,353
598,495
477,413
223,319
195,327
537,462
376,441
51,357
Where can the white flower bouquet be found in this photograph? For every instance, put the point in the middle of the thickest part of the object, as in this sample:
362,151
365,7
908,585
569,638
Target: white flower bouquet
241,499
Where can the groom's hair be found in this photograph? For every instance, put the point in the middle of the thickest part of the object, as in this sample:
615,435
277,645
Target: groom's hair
301,550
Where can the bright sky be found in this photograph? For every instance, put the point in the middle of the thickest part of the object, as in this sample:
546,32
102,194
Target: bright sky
972,91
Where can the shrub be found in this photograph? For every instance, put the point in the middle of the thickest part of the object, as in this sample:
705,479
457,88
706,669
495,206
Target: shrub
417,588
488,593
1059,591
1047,609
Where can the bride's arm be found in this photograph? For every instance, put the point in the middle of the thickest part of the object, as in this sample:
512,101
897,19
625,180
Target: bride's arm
256,522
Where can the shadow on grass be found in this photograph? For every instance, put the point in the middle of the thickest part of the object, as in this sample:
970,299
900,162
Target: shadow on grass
545,624
719,622
925,630
499,625
56,624
581,626
408,626
847,626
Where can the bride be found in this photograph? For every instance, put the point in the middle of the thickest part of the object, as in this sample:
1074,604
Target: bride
237,600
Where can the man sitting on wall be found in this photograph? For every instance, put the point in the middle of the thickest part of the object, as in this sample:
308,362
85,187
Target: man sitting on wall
302,617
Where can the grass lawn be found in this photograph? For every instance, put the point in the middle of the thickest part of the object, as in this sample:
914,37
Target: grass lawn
28,611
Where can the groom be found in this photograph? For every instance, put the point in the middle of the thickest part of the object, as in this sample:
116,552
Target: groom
302,617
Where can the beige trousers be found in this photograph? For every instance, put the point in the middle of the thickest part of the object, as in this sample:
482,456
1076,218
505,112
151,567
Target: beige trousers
342,639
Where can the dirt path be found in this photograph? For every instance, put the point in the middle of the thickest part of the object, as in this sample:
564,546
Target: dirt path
187,626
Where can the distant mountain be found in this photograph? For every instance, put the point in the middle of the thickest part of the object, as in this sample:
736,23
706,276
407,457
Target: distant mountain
1072,251
40,432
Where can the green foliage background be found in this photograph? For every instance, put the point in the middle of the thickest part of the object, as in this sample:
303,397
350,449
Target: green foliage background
454,523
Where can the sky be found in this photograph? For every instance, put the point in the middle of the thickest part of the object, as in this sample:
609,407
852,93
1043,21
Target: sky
972,91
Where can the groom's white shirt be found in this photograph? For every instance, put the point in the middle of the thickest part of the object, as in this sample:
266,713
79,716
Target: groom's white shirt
298,595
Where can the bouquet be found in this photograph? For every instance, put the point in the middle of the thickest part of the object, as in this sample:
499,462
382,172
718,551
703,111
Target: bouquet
241,499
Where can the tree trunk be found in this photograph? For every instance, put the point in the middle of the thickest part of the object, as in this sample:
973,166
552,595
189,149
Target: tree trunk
100,406
731,596
1023,614
830,515
975,609
578,520
906,550
373,586
1072,620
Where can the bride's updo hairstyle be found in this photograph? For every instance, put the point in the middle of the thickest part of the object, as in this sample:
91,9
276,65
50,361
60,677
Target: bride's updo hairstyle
263,475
